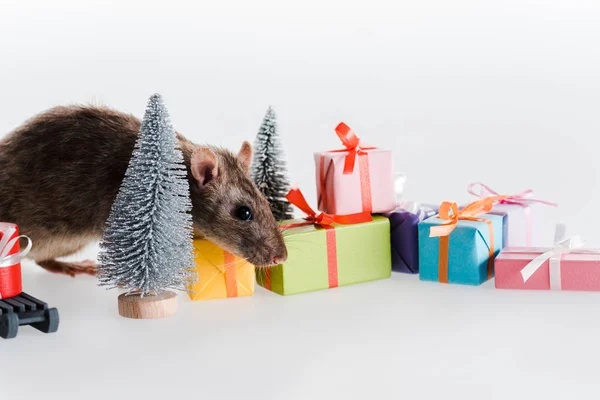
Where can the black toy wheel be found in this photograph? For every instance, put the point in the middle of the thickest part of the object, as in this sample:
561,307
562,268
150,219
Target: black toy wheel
50,323
9,326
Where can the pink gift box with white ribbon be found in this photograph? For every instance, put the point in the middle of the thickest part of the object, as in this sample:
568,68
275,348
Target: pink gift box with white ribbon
564,267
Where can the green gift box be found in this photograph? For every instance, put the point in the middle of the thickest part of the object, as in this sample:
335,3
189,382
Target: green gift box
322,257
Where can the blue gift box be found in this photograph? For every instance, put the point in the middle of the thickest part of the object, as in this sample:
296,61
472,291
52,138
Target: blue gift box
468,249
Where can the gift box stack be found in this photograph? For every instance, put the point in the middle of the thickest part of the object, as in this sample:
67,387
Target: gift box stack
362,231
348,242
461,244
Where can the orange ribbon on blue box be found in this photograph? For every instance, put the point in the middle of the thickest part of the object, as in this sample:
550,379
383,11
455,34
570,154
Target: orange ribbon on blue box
450,212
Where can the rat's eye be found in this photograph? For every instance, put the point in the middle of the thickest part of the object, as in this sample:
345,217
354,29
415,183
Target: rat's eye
243,213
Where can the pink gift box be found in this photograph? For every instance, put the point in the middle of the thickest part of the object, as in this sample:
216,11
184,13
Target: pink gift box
577,270
342,193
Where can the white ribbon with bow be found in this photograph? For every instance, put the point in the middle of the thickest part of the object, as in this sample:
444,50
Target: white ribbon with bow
562,247
6,245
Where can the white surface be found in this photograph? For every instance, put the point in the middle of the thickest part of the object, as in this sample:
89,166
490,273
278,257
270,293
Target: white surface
501,91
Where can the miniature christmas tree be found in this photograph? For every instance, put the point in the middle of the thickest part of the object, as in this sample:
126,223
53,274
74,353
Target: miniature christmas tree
147,245
269,171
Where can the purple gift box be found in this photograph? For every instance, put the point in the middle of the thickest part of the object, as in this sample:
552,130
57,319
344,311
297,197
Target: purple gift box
404,221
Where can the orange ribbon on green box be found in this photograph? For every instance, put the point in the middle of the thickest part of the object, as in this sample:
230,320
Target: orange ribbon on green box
325,221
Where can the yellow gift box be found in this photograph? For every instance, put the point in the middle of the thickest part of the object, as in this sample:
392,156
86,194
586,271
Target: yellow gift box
220,273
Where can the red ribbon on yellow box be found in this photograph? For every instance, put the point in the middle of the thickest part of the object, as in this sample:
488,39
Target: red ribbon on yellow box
324,220
230,274
353,147
449,211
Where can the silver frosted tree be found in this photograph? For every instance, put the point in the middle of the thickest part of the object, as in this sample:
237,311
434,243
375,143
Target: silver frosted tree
147,244
269,170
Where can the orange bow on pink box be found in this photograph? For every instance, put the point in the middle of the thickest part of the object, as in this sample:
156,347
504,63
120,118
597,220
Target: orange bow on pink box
352,144
356,178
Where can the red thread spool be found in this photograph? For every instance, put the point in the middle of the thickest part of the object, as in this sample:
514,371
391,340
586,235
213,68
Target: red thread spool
10,276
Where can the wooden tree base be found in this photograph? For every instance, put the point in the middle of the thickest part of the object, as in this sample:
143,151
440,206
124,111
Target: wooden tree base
161,305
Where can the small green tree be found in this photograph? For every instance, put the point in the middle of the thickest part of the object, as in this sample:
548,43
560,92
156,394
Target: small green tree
269,170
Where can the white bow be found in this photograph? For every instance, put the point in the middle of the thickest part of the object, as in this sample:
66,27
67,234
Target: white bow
6,245
562,247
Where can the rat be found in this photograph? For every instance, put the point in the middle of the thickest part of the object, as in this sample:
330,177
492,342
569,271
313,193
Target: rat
61,170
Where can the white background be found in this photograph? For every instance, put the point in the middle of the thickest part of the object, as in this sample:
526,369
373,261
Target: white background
506,92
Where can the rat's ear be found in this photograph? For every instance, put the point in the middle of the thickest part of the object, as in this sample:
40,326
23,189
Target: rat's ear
245,156
204,166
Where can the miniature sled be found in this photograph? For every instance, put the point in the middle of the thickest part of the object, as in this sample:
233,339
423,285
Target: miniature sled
26,310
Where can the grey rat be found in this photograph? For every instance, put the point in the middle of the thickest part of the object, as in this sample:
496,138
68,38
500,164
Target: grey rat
61,170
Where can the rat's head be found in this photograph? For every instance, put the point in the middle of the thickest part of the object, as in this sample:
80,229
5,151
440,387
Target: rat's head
228,208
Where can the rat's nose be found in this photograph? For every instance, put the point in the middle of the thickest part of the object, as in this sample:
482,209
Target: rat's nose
279,260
